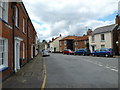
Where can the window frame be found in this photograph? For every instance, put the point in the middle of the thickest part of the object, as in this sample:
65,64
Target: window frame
4,11
16,16
102,37
5,58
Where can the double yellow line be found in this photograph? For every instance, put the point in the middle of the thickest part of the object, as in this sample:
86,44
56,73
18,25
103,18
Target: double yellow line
45,77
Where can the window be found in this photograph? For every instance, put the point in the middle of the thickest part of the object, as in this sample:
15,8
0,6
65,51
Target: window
4,11
3,53
16,16
102,37
93,38
65,42
76,43
23,25
60,43
23,50
76,49
102,46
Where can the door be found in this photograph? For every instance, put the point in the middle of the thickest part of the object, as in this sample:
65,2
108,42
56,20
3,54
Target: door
17,56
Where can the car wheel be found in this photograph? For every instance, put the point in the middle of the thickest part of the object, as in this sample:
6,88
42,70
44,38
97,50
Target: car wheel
106,55
93,54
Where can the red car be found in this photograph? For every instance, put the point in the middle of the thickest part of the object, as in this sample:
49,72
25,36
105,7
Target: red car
68,51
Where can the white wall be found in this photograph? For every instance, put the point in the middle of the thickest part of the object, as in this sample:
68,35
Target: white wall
98,43
55,43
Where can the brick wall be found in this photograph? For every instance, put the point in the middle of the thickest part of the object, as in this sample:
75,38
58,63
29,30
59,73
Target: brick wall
28,38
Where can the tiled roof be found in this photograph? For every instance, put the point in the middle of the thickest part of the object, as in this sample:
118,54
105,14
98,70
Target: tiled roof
82,38
104,29
69,38
75,38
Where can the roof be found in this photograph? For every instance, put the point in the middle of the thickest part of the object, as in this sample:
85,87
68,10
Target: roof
53,40
104,29
69,38
85,37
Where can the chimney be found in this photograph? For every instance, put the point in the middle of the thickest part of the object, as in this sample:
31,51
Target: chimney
60,35
89,32
117,19
52,39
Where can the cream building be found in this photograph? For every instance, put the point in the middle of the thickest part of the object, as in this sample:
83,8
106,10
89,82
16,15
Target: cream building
102,37
54,44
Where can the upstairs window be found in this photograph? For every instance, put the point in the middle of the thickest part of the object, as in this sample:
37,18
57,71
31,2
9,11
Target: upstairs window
16,16
76,43
65,42
60,43
4,11
93,38
23,25
102,37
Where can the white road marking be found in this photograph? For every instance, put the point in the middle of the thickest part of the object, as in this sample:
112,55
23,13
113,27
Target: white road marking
100,64
114,70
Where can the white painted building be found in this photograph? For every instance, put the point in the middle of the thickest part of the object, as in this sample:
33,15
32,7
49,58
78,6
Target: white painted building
54,44
102,37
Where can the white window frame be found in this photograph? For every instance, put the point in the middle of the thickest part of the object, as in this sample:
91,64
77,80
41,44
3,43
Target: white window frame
4,11
16,16
5,51
65,42
23,50
76,49
23,25
76,43
60,43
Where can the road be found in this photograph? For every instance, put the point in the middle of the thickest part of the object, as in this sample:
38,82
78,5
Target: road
69,71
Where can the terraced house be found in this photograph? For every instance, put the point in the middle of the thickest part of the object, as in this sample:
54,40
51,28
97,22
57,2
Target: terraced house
17,37
104,37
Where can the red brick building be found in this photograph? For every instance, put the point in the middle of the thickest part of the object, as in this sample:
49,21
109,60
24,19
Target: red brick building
74,42
81,42
17,37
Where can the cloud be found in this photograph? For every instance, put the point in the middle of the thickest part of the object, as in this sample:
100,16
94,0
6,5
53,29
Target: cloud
71,17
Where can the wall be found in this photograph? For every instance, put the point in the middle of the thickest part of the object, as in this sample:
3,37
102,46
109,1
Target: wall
98,43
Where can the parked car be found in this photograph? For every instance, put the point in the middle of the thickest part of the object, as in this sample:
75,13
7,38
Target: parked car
82,51
45,53
108,52
68,51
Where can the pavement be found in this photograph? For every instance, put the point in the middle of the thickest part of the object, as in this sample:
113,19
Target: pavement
29,76
70,71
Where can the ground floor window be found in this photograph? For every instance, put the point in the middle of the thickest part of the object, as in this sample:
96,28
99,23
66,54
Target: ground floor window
3,53
102,46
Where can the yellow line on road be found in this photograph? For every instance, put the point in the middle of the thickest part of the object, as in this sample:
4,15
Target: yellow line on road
45,77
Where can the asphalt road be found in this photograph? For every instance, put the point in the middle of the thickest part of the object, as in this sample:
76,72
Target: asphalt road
69,71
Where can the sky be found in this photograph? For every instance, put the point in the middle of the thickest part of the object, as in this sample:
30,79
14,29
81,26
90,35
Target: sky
69,17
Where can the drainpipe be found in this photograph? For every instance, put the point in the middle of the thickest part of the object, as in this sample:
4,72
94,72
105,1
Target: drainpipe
27,41
13,26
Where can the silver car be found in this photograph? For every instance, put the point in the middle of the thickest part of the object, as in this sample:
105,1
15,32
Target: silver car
45,53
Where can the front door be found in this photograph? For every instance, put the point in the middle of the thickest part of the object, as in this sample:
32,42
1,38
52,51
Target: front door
17,55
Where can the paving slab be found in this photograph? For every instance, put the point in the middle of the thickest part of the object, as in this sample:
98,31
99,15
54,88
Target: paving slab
29,76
